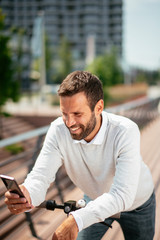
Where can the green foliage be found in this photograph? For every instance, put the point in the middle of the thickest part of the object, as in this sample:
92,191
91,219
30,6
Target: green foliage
9,86
107,68
106,96
14,149
49,56
17,40
141,77
65,60
147,76
5,114
48,53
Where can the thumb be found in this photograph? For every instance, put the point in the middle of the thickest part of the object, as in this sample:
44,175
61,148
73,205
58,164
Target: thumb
26,193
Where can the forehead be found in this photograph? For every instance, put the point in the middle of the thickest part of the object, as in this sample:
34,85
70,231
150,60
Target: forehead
77,102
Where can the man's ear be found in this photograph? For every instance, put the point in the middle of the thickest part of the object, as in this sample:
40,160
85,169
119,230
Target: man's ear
99,107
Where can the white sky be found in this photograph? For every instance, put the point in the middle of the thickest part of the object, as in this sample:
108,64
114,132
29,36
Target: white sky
142,33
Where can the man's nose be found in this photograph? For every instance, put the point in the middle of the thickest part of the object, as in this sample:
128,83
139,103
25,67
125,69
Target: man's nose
70,121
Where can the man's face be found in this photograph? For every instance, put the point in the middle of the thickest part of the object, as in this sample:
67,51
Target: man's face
78,117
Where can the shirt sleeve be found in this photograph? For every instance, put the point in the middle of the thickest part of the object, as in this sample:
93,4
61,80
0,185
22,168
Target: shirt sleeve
45,168
78,220
124,187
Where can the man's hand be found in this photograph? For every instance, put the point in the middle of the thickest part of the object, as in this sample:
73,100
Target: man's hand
16,204
68,230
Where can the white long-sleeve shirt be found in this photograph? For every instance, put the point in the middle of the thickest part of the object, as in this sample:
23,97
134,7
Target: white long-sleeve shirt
109,169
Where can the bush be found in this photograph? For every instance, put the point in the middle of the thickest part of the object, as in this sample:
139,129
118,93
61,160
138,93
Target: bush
14,149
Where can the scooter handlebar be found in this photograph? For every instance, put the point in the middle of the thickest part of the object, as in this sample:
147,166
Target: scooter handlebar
67,206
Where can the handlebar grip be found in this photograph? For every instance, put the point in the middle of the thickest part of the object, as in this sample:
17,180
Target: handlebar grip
50,205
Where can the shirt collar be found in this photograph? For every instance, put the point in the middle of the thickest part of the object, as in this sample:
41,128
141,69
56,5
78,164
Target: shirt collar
98,139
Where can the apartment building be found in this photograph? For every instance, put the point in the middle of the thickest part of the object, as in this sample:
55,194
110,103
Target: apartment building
91,26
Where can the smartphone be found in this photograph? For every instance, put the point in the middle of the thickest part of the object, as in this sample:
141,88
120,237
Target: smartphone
12,185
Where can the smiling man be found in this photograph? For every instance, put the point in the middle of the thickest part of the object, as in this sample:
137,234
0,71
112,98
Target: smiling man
101,155
78,117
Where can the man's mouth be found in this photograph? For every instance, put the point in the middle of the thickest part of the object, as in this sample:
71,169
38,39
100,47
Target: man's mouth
74,129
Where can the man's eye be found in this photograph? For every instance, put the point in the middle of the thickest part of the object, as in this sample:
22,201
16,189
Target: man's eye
78,114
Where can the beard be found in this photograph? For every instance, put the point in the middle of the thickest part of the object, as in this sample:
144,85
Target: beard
85,129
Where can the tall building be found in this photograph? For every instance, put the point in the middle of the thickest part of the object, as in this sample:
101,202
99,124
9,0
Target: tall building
81,20
91,26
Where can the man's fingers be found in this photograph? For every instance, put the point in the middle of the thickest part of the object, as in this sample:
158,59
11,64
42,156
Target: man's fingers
19,208
11,195
14,201
16,212
16,204
25,192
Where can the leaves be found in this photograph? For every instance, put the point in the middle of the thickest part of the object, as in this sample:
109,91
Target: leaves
9,87
65,60
107,68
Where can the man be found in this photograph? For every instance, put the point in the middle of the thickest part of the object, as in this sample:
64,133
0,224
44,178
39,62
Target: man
101,155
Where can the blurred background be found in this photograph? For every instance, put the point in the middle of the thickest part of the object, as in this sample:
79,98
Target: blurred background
41,41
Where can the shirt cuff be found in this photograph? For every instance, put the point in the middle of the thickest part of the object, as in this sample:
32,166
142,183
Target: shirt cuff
78,220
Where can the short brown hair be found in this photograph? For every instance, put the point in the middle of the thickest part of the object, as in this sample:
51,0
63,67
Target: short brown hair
82,81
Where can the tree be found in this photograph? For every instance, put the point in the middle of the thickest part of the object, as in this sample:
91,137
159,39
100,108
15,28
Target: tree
18,51
9,87
107,68
49,56
65,60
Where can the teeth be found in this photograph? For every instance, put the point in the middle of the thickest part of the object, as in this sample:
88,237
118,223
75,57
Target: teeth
74,129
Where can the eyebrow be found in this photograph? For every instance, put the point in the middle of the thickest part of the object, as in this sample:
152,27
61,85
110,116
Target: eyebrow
77,112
